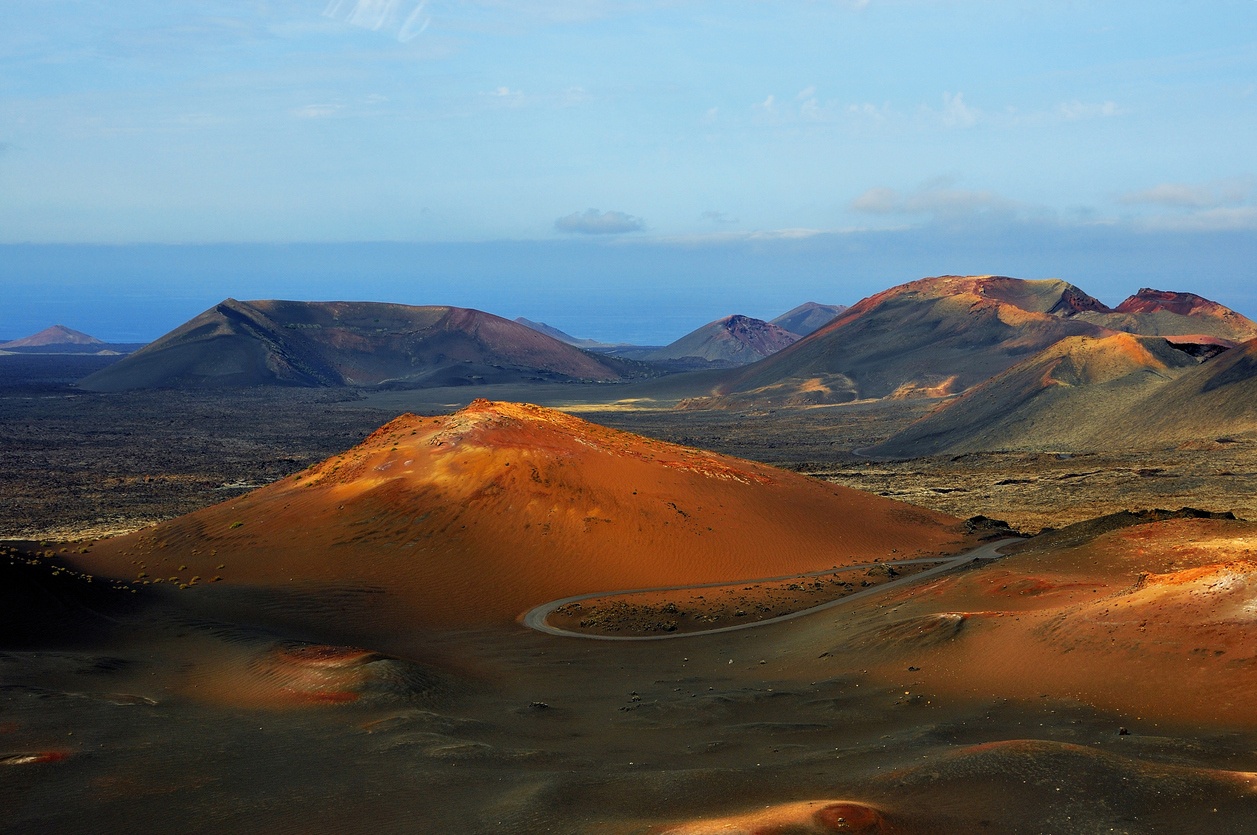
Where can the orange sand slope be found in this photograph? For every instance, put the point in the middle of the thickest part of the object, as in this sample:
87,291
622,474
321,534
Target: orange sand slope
475,517
1156,620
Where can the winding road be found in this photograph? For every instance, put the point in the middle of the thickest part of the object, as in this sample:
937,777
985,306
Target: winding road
535,618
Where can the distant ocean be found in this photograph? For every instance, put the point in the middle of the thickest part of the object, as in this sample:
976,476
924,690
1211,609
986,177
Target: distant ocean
637,290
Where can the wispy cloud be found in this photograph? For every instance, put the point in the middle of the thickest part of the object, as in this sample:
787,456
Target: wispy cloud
316,111
956,113
1184,195
1072,111
594,222
1218,205
506,97
509,97
406,19
722,218
1221,219
940,199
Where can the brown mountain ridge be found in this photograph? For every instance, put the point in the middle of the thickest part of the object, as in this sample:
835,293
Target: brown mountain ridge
943,335
298,343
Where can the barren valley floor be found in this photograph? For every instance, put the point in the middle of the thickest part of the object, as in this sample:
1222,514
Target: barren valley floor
1097,682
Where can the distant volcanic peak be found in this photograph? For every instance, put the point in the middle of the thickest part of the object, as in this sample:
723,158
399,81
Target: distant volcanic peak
1050,296
1148,300
808,317
55,335
278,342
555,333
1073,301
733,339
764,337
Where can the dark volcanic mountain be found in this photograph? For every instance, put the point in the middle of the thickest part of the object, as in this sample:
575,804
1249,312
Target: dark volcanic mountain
808,317
731,341
350,344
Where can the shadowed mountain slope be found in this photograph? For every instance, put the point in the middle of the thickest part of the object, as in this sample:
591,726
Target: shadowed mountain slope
733,340
477,516
1082,394
808,317
1218,399
350,343
1059,399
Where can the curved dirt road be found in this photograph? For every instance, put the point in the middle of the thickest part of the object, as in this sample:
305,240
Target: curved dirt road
535,618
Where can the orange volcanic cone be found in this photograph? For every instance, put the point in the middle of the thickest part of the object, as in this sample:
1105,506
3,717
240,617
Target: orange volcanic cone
474,517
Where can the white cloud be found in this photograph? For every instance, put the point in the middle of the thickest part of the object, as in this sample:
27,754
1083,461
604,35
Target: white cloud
939,199
718,217
956,113
403,18
1187,196
1221,219
868,111
316,111
1214,206
504,96
595,222
1072,111
507,97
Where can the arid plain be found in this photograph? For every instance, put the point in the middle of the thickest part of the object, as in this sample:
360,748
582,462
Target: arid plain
300,608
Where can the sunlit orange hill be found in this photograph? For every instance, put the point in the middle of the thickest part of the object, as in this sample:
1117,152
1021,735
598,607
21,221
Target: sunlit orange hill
474,517
1154,620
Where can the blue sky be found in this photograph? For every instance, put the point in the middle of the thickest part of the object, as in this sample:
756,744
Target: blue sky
626,141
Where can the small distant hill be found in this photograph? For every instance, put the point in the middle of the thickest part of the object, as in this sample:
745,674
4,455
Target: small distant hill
55,335
59,339
729,342
295,343
808,317
555,333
